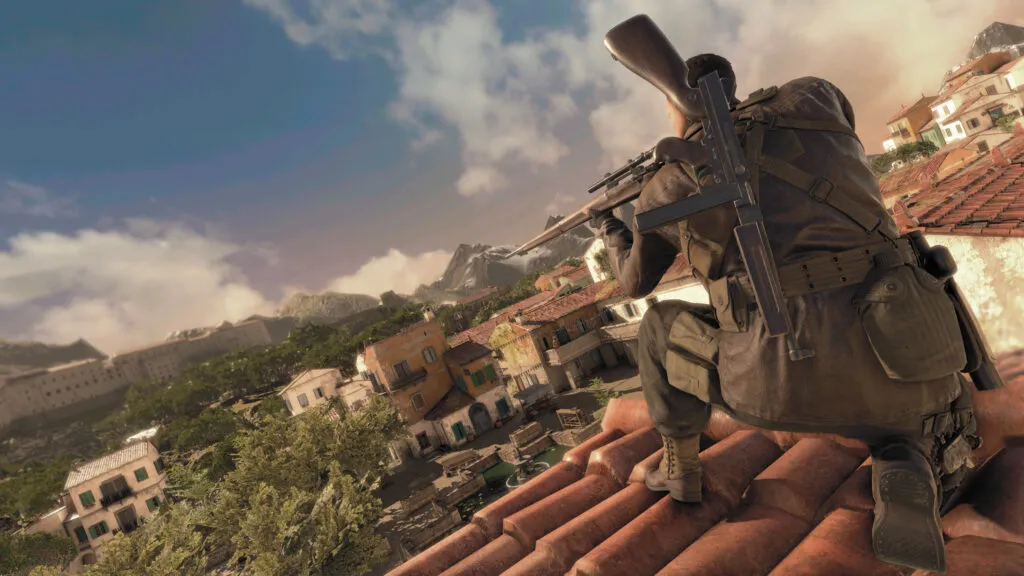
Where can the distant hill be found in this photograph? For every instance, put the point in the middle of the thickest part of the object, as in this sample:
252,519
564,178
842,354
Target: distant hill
334,305
20,356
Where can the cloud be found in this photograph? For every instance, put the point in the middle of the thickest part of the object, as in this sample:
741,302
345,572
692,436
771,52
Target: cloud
561,203
394,271
507,99
21,199
126,286
340,27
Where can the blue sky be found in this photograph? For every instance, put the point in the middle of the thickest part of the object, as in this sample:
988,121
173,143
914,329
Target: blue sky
248,148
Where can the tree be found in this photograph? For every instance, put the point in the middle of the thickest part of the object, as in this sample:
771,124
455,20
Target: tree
574,262
19,553
601,259
170,543
187,434
521,290
1007,123
34,489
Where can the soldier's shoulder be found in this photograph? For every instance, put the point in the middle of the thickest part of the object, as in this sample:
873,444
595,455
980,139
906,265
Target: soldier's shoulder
811,84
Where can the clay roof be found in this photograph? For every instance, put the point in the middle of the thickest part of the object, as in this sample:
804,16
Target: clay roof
923,102
467,352
555,308
984,200
1009,66
105,464
480,295
920,173
805,510
449,404
481,333
306,376
974,104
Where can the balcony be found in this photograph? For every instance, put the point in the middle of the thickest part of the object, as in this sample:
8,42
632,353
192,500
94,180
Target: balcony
115,497
409,379
574,349
620,332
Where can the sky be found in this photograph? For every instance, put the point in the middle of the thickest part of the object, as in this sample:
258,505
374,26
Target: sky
175,163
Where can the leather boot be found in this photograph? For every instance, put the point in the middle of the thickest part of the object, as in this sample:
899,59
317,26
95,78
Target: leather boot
907,530
679,472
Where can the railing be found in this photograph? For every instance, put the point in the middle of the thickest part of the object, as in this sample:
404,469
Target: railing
130,527
115,497
574,349
620,332
411,378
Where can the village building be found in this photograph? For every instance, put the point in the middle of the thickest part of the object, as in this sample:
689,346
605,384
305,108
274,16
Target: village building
106,496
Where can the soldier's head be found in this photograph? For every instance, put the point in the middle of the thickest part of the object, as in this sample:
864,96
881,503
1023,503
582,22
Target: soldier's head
698,66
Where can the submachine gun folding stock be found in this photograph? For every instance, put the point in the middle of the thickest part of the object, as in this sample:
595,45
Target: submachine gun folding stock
641,47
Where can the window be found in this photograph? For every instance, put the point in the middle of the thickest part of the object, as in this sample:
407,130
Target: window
990,90
630,310
459,430
423,440
546,342
417,401
318,392
490,373
141,475
303,401
429,355
563,336
81,535
461,383
949,133
581,325
478,378
973,123
949,108
159,465
288,405
153,503
402,369
982,146
533,379
87,498
98,529
960,129
502,407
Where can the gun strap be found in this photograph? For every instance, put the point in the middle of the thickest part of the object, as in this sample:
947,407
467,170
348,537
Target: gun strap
825,191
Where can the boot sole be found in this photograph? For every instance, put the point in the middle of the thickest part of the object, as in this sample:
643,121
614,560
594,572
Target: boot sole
907,530
676,493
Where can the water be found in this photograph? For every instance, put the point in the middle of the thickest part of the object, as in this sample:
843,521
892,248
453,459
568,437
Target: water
496,477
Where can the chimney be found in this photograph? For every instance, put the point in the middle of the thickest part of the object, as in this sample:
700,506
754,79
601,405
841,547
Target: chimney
518,318
428,315
998,159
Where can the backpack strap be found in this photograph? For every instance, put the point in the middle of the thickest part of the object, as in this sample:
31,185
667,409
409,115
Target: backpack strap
774,121
825,191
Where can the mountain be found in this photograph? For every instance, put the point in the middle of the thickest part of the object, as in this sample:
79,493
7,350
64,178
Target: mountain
477,266
998,37
327,305
20,356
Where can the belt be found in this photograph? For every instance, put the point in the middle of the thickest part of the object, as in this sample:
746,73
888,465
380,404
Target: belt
831,271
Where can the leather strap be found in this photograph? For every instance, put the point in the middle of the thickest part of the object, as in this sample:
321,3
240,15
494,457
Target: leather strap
823,190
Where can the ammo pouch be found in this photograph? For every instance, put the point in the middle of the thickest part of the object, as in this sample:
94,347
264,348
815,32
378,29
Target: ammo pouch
731,303
909,321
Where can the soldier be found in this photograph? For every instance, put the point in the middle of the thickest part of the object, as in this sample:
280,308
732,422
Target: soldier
887,349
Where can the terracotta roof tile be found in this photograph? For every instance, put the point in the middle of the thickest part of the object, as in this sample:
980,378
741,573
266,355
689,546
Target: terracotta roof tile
923,102
467,352
1009,66
547,312
480,294
762,511
987,199
481,334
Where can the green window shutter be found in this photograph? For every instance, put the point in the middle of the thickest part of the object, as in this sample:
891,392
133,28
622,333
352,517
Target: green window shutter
104,527
459,431
87,498
92,532
502,407
80,534
478,378
141,475
153,503
159,466
491,374
461,383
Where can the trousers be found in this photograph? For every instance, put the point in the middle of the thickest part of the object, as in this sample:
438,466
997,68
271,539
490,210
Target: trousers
681,407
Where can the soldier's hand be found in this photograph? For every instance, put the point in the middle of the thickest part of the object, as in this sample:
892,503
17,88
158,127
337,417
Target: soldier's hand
600,218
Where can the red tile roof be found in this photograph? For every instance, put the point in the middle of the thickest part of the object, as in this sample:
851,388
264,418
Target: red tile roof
1008,66
924,101
481,334
556,308
984,200
919,174
481,294
467,352
762,512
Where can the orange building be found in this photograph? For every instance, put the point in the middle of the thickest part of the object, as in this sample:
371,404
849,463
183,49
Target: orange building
905,127
446,397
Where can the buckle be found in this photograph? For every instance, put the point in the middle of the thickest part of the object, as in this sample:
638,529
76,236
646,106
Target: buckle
821,189
762,117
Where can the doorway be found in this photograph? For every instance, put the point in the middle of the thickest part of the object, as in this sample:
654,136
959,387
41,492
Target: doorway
480,418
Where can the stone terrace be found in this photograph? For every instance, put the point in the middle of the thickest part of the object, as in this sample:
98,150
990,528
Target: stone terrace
774,503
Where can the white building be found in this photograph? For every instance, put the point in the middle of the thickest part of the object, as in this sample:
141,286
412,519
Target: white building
889,145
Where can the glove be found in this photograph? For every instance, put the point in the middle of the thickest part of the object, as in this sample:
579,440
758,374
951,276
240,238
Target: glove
600,219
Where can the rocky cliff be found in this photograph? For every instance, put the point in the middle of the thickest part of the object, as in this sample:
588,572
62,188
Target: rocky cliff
998,37
19,356
476,266
326,305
